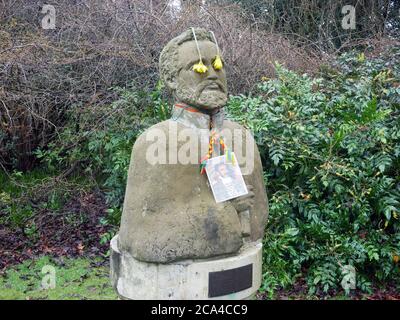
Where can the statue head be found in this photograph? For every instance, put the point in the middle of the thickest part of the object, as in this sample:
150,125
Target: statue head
205,90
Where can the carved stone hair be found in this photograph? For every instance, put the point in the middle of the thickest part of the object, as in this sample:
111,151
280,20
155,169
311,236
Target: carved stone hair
168,64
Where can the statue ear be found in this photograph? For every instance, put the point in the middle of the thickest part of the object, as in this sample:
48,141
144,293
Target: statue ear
171,83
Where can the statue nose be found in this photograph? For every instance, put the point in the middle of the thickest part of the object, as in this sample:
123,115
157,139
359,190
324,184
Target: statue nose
212,75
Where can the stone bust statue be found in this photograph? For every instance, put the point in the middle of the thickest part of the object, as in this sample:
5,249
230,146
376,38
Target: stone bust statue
169,210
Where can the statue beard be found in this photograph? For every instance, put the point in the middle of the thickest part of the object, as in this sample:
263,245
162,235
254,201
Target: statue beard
201,98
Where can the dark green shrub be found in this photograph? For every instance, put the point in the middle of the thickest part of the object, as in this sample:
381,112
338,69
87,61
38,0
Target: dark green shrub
98,141
330,148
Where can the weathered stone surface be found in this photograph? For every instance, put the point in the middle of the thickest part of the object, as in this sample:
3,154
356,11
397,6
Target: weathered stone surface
183,280
169,210
115,262
170,213
176,61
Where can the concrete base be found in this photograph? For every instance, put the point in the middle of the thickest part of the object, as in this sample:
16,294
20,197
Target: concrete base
182,280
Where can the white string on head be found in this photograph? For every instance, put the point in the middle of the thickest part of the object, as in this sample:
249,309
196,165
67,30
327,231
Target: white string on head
197,44
215,40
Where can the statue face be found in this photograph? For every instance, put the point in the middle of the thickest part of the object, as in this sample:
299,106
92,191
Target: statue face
203,90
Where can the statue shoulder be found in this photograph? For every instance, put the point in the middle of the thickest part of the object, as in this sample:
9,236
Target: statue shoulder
157,130
232,125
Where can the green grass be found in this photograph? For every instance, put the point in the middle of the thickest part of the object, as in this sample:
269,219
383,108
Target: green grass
18,191
7,185
76,279
16,182
82,279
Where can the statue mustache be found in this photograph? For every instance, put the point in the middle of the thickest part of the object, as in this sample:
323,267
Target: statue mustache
211,82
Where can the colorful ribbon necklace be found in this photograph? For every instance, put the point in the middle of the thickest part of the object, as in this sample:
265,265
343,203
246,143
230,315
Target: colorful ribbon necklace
215,138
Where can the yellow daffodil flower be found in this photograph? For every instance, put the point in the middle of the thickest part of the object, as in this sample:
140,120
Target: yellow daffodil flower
217,64
200,67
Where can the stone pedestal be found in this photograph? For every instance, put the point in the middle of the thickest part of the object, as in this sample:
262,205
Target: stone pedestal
233,277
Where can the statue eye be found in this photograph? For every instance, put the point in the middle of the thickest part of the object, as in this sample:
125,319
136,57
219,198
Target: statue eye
217,63
200,67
